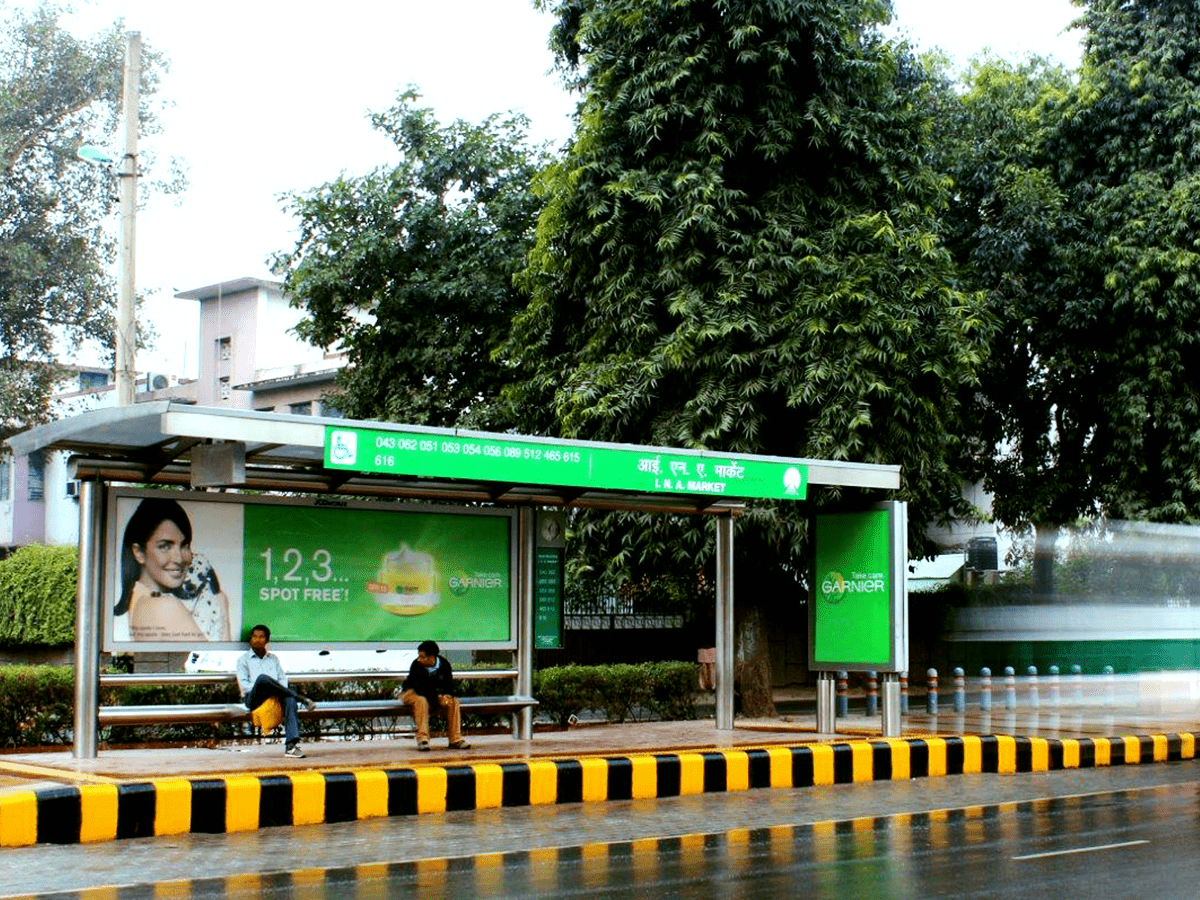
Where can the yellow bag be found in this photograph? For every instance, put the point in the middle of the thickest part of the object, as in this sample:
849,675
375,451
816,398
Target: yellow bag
267,715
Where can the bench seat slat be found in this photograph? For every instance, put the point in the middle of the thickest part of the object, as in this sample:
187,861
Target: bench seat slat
199,713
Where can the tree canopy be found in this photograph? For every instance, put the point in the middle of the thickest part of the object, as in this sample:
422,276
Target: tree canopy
57,272
1080,215
409,268
740,250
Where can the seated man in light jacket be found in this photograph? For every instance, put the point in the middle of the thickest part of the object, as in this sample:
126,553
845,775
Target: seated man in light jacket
260,677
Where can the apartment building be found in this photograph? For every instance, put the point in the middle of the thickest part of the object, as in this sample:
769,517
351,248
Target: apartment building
250,358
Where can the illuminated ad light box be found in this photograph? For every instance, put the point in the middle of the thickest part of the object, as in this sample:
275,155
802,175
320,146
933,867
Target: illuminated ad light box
858,610
320,573
562,463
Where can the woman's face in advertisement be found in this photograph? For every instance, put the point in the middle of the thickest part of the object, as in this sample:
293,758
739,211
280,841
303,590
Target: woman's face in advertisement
165,558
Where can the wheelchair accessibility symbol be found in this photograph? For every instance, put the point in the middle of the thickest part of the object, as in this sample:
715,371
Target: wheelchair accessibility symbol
344,448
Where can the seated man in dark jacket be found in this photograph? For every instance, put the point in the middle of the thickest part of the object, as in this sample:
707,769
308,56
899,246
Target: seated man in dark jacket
430,683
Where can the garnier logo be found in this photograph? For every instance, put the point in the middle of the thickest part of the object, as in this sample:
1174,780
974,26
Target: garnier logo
835,587
462,582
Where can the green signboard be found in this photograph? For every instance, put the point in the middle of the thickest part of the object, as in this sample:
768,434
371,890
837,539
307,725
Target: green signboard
562,464
857,619
547,598
376,575
318,573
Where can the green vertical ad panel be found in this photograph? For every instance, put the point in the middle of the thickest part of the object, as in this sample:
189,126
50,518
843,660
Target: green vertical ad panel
852,594
326,575
548,598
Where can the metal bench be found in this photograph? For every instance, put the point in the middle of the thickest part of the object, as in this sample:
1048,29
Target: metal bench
201,713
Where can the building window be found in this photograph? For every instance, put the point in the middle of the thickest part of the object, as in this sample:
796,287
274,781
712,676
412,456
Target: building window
301,409
224,349
329,411
37,476
5,478
90,381
224,390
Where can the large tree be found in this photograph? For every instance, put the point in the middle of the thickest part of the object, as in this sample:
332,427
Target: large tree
57,214
1078,210
1004,224
740,252
409,268
1127,155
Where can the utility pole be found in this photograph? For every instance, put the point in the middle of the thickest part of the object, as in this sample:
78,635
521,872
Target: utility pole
127,177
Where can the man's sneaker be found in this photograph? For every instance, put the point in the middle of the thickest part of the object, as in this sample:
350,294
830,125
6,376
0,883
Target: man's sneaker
460,745
423,746
309,704
294,752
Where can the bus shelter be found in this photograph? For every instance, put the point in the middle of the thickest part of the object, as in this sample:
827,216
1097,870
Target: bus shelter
322,484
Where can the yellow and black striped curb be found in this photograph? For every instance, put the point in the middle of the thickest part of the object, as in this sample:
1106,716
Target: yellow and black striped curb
234,803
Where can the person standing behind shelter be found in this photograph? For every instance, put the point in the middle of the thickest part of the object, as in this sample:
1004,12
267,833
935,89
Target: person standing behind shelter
260,676
430,684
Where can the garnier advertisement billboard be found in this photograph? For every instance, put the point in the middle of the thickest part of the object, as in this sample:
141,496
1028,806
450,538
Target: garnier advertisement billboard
187,570
858,610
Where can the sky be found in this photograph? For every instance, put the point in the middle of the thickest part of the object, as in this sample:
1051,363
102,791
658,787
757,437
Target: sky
270,97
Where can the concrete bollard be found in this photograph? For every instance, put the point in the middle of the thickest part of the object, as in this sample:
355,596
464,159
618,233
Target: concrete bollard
842,700
872,697
985,689
931,692
1054,692
1077,683
1034,699
1110,687
1010,688
904,693
960,690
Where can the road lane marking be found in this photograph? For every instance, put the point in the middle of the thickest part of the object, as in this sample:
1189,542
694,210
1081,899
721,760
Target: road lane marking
1081,850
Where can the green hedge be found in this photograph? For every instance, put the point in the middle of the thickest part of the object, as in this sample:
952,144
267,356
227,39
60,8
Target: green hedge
664,690
37,596
37,702
37,705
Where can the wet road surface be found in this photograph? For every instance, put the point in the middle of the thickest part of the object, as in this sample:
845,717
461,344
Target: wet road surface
1072,834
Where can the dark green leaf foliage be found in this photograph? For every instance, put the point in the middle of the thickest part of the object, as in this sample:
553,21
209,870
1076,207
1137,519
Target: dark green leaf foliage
1094,402
410,267
663,690
739,252
37,596
57,93
36,705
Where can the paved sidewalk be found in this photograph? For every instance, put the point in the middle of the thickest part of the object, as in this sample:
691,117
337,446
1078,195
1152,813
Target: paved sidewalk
124,793
22,771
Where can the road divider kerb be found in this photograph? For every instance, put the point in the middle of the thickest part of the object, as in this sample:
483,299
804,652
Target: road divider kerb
230,803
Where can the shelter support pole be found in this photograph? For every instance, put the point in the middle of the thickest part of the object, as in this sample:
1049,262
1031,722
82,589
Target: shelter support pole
526,539
724,667
891,704
87,622
826,697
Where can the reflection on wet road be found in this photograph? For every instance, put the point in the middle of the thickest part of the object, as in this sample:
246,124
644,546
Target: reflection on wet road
1118,842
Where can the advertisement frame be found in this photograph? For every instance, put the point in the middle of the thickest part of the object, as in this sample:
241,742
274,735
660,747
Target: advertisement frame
218,506
821,616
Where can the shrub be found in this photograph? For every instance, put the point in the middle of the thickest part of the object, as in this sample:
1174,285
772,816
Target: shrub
673,689
565,691
36,705
621,692
37,596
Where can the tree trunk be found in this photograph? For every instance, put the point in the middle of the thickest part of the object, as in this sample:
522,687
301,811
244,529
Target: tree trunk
1045,539
753,663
